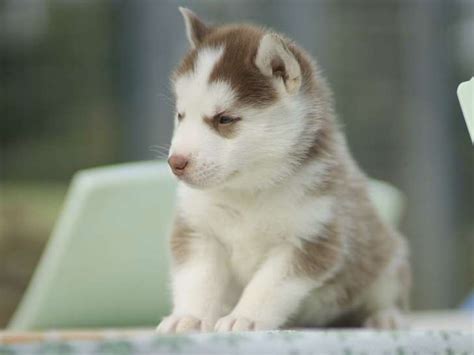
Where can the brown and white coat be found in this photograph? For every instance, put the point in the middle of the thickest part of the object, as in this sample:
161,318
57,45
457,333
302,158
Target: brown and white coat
274,225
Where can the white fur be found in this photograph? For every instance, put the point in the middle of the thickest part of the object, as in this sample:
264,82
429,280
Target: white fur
197,99
270,297
251,207
247,227
202,270
250,225
244,215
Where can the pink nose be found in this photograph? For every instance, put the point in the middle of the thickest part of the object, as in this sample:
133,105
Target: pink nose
178,164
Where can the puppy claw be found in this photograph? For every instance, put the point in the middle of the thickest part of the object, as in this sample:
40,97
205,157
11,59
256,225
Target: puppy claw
182,324
387,319
233,323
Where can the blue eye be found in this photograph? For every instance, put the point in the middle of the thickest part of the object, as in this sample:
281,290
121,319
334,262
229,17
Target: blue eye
226,119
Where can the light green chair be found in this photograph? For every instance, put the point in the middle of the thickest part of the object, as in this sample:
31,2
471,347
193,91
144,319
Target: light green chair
106,263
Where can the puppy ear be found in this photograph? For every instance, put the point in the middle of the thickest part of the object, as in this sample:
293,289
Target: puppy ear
196,29
274,59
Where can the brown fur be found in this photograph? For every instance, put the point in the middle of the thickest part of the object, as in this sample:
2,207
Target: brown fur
237,65
364,258
225,130
371,252
180,241
316,258
198,29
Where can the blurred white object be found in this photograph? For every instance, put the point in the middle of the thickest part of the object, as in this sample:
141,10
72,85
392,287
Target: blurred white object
466,98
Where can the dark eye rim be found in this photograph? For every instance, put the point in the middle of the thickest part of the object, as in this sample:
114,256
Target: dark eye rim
225,119
179,116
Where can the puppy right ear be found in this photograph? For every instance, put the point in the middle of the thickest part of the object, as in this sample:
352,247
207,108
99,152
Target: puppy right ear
196,29
275,60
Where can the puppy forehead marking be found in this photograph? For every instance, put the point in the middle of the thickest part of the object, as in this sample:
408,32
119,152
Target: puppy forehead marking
206,61
237,65
195,93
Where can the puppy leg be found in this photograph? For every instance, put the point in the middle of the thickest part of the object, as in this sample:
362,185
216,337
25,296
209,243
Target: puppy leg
200,285
389,296
271,297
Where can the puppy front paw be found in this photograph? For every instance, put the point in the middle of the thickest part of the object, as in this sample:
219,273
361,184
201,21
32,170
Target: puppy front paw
235,323
182,324
388,319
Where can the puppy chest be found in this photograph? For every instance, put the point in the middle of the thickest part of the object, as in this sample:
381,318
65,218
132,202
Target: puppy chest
247,240
248,230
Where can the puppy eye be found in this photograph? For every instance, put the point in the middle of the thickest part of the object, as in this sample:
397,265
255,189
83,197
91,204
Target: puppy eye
180,116
224,120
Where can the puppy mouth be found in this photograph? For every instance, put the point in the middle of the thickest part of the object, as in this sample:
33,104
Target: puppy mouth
198,183
208,178
203,176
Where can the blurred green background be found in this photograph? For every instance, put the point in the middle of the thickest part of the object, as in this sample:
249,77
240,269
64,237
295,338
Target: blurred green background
85,83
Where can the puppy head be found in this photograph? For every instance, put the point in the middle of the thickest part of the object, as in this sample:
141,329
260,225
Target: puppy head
241,98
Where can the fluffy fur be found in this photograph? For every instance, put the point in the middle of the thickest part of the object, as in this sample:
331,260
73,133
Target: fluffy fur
274,226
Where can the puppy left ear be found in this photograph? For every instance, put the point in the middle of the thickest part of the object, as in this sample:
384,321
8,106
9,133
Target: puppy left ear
196,29
274,59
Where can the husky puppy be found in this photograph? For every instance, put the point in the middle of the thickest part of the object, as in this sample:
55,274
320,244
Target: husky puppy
274,226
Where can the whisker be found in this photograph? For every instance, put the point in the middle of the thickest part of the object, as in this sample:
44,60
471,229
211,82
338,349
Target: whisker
169,101
164,93
161,156
159,148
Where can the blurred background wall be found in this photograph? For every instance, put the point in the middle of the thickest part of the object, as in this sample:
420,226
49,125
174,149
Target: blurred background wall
85,83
